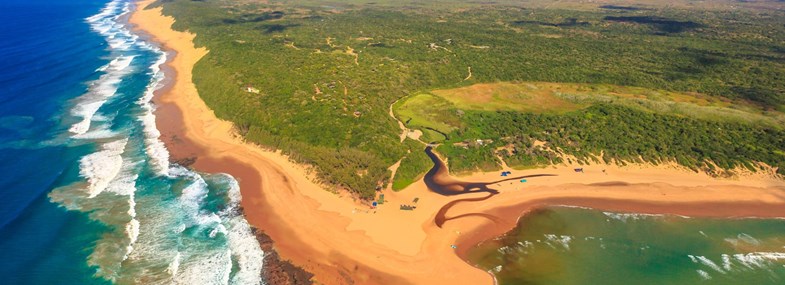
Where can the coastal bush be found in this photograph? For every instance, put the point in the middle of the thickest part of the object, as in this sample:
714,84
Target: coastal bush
622,134
413,166
325,75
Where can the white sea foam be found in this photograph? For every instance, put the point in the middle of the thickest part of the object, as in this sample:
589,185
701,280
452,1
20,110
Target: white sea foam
624,217
106,171
132,231
705,275
749,261
754,260
174,266
707,262
100,133
101,167
215,269
242,242
99,92
562,240
154,146
246,250
748,239
743,238
106,86
726,262
226,250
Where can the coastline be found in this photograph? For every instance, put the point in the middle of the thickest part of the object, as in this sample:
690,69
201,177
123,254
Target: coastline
341,241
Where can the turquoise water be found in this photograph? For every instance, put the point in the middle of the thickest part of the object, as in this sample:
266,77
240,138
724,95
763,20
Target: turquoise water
581,246
88,195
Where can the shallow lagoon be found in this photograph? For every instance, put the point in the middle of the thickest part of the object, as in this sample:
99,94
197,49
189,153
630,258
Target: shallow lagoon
560,245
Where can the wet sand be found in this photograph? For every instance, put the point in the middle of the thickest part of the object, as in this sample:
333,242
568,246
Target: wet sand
343,241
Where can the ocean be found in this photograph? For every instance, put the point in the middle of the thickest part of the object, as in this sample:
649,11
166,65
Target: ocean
88,195
560,245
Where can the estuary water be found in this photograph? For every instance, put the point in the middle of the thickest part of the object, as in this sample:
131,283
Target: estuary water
560,245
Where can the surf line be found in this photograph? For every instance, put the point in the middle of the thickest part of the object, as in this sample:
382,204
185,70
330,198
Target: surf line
438,180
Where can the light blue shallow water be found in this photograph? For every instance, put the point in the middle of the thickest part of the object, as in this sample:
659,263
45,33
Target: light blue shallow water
88,195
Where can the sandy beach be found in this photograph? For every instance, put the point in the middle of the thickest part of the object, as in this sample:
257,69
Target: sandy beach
343,241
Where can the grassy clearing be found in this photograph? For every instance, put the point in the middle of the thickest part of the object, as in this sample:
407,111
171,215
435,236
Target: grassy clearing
506,96
432,114
559,98
585,119
438,113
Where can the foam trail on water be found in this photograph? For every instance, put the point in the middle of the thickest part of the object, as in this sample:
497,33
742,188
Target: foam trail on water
132,228
705,275
100,168
120,41
624,217
167,224
242,241
100,90
155,147
754,260
699,259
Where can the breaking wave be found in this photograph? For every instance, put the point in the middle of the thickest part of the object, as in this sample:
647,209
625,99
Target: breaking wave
165,223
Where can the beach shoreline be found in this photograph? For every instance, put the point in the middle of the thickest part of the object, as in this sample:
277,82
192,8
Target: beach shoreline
342,241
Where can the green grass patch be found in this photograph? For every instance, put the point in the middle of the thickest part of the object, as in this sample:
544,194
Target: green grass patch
559,98
433,115
506,96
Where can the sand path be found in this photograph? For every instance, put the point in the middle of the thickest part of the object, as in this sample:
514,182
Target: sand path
403,128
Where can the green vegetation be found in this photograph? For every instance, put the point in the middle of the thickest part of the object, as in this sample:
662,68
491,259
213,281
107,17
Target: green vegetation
434,115
473,157
622,134
327,72
526,97
413,166
444,112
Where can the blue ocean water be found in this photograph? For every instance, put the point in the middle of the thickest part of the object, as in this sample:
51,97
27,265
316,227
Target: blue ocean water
88,195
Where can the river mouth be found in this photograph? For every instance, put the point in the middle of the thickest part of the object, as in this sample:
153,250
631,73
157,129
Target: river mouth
438,180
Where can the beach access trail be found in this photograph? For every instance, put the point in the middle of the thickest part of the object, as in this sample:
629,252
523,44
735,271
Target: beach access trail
343,241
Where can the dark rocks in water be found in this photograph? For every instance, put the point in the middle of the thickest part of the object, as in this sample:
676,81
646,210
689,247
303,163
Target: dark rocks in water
186,161
277,271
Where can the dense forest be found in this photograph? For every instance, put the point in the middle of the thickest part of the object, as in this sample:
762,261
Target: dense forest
316,79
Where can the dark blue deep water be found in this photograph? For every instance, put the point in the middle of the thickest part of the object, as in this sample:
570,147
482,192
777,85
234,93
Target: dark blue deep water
47,52
87,194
